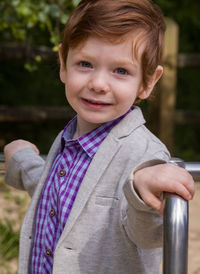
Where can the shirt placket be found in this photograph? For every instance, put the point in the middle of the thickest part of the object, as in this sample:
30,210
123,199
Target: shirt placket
52,226
71,148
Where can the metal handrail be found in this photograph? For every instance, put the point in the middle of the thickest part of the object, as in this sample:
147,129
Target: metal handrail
192,167
175,236
175,226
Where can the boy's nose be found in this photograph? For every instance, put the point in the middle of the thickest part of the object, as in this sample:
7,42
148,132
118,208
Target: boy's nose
99,82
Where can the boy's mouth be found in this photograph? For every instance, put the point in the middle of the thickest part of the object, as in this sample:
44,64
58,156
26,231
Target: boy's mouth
96,105
96,102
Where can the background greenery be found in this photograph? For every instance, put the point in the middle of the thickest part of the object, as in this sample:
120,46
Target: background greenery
34,82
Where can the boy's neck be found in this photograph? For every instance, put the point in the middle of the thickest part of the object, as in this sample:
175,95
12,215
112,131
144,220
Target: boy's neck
83,127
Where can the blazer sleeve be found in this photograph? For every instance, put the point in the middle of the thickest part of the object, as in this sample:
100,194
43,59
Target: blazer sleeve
24,170
142,223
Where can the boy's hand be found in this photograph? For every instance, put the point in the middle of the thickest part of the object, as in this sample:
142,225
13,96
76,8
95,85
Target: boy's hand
11,148
151,182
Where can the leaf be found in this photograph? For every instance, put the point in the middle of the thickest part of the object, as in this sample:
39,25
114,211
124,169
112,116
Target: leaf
18,33
64,18
75,2
55,39
55,48
24,10
54,11
30,67
42,16
38,58
15,3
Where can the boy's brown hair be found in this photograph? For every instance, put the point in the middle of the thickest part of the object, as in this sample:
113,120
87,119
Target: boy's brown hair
114,20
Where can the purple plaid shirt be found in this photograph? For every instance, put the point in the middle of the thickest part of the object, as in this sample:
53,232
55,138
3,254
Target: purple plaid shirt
61,188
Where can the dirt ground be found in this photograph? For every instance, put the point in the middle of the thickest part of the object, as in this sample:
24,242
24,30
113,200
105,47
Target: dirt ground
194,233
13,204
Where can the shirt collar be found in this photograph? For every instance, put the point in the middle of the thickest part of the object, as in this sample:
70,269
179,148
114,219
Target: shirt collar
90,141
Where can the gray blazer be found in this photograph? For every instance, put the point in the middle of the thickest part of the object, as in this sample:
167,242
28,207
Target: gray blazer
110,230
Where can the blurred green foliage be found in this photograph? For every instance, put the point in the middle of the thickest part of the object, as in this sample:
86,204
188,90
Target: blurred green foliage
42,21
34,21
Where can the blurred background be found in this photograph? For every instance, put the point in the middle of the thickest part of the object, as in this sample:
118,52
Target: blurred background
32,100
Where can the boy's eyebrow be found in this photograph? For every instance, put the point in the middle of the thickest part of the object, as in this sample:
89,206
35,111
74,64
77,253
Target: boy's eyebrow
118,61
126,62
82,54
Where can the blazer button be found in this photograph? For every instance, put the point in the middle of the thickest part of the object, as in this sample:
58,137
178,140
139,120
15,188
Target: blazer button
62,173
48,252
52,212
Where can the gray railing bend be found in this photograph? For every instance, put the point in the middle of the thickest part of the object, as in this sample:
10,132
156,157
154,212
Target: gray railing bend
192,167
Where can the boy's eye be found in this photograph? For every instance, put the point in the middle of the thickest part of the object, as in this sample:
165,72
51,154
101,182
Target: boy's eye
121,71
85,64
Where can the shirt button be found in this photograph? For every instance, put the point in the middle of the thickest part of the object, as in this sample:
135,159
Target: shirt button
48,252
52,212
62,173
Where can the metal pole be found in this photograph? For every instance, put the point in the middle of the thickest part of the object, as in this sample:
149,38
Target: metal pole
175,250
175,226
194,169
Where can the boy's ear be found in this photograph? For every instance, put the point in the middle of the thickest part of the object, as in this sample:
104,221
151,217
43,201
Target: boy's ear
145,93
62,65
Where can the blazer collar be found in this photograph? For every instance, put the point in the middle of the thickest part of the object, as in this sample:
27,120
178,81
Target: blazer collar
129,123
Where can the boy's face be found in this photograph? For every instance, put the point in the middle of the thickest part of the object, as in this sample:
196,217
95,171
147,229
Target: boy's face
102,81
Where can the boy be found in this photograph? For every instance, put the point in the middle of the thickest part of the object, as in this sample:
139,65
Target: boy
87,214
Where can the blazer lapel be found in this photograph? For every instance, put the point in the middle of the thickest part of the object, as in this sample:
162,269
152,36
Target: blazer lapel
97,167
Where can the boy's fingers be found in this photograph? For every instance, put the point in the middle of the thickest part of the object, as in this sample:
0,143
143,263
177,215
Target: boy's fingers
189,183
184,189
163,178
184,177
177,179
